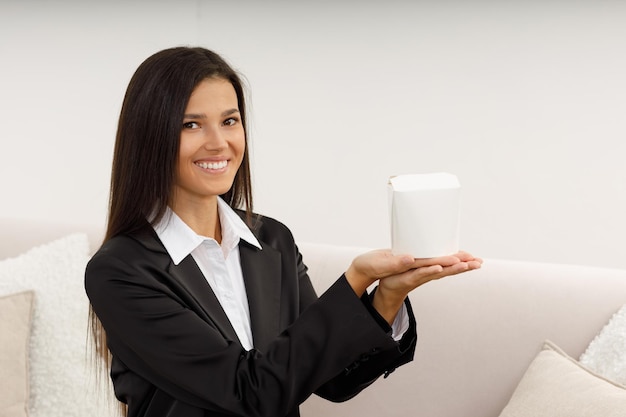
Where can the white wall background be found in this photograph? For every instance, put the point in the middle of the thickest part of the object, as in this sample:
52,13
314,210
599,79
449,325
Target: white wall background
524,100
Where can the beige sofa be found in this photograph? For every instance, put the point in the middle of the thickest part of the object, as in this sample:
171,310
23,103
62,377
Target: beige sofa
478,332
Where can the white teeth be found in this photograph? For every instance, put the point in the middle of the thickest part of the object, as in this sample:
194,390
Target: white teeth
212,165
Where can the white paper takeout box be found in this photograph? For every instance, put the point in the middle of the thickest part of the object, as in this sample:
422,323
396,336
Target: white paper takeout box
425,211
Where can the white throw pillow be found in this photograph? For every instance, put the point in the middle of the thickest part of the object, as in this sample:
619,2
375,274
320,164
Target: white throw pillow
606,354
61,373
555,385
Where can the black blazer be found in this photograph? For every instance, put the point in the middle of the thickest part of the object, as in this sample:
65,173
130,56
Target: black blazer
176,354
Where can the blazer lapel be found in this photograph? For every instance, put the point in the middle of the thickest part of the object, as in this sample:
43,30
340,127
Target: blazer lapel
190,277
262,276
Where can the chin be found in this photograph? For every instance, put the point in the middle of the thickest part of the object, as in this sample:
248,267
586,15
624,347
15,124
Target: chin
223,190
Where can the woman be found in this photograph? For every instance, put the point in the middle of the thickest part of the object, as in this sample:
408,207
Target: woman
199,306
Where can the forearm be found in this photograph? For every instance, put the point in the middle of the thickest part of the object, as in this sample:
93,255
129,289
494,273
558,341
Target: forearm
364,372
388,304
357,280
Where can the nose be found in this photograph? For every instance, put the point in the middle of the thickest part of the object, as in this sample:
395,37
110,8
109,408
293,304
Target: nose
214,139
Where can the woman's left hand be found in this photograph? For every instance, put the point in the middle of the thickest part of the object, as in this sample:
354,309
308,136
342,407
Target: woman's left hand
394,289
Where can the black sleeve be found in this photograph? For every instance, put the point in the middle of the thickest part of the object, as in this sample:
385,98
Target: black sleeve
374,363
370,364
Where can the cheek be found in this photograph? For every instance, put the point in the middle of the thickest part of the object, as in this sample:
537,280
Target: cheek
240,145
185,149
182,164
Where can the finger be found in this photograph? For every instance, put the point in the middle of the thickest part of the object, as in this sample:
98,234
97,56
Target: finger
383,263
460,268
465,256
475,264
430,273
441,260
394,264
420,276
448,271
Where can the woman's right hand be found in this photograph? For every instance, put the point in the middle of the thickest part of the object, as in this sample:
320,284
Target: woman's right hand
400,274
371,266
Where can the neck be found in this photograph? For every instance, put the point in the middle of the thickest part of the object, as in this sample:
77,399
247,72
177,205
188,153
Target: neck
203,218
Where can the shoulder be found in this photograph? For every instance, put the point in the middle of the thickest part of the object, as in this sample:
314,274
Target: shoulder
262,225
117,245
268,230
128,252
130,246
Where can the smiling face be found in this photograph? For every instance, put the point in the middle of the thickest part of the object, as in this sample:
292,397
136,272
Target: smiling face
212,144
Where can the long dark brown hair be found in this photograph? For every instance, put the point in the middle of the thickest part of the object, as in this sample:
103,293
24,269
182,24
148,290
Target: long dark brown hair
147,145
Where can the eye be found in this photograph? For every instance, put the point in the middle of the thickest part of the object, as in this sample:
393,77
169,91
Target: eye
190,125
231,121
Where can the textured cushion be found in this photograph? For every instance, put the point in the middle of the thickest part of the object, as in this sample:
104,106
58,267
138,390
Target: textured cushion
61,381
555,385
606,354
15,319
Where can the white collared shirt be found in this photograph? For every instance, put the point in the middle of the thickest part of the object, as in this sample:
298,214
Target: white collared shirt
219,263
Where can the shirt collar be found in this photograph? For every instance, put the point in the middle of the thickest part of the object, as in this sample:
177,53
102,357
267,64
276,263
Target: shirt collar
180,240
232,224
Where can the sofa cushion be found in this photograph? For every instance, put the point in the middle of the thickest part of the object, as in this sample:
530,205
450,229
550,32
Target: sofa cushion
15,314
556,385
606,354
60,371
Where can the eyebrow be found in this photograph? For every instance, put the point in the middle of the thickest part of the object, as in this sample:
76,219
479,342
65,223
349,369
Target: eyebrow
203,116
